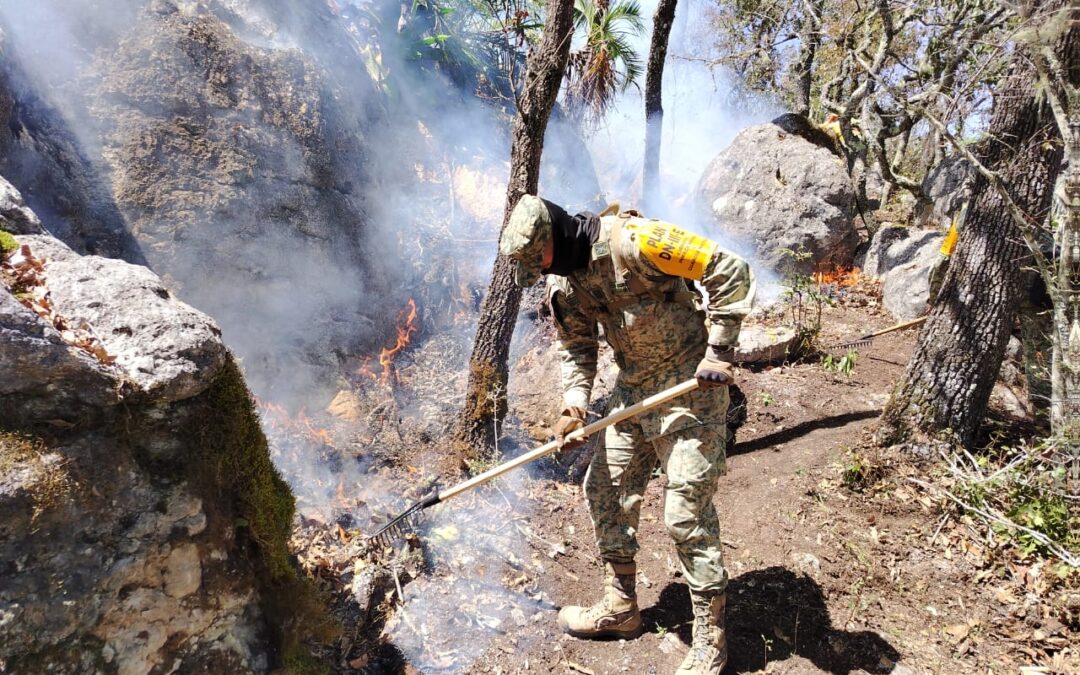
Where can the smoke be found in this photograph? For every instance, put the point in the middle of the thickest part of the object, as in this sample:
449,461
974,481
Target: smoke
290,170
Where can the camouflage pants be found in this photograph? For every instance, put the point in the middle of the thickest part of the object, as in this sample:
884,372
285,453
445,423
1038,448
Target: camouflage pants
692,457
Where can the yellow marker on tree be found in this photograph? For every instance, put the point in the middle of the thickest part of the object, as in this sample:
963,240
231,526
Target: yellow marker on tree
949,245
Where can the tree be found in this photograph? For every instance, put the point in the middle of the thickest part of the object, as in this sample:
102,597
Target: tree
955,362
654,109
485,398
809,39
862,61
607,63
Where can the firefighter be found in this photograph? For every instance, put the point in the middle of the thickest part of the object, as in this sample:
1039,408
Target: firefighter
633,277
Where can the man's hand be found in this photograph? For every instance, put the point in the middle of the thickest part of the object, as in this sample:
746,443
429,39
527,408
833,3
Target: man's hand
572,419
715,370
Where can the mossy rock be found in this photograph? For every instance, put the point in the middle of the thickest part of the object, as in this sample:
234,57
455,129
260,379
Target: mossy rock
233,458
233,463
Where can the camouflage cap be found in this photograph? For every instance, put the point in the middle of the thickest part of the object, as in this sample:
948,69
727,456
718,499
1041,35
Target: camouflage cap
525,237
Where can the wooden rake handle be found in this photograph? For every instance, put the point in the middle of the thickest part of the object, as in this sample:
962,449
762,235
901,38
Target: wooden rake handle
899,326
588,430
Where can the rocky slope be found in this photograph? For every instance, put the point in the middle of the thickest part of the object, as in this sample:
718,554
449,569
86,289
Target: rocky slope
201,139
142,525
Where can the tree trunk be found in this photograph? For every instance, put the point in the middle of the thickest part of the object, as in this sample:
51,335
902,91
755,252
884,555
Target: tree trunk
654,109
959,351
1065,368
485,406
810,38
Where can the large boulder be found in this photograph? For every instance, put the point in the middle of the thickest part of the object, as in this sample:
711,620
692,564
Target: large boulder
140,515
228,146
901,258
943,188
773,190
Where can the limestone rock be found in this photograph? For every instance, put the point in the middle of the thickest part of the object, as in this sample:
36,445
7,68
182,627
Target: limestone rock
771,190
169,349
183,571
43,378
347,406
15,217
765,344
944,190
123,590
902,257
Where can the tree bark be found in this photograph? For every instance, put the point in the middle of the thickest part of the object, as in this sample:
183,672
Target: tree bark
485,406
810,38
956,360
654,109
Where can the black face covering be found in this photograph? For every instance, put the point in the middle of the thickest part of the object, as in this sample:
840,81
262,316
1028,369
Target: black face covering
573,237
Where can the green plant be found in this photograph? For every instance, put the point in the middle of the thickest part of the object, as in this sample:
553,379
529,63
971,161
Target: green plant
859,472
7,244
766,399
804,298
607,63
844,365
1022,494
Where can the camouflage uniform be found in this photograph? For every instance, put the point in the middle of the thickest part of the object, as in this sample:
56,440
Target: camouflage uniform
655,325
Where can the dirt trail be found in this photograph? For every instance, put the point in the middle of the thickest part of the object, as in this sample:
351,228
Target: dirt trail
836,565
771,509
823,579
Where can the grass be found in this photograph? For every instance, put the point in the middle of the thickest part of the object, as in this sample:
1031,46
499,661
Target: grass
48,482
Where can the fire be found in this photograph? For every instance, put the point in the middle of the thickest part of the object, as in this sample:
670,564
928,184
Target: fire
406,326
838,276
298,427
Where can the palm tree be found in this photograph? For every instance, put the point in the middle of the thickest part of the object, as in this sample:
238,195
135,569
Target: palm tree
607,63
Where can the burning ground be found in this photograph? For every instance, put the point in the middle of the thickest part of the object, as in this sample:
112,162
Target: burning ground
840,562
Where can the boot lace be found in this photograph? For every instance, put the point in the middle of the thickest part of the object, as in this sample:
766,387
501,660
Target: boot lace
702,640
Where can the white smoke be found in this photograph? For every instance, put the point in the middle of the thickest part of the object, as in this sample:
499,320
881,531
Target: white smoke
422,231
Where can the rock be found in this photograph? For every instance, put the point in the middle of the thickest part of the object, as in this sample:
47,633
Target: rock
169,349
807,563
347,406
43,378
771,190
183,571
902,257
765,344
944,190
15,217
152,484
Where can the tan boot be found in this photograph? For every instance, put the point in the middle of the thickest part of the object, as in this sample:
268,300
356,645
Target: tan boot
616,615
708,653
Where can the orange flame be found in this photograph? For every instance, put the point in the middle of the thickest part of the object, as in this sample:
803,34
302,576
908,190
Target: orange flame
299,427
838,276
406,326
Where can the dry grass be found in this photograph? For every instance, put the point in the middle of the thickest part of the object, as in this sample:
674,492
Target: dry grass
27,464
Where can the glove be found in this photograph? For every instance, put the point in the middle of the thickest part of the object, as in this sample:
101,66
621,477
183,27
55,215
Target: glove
572,419
715,370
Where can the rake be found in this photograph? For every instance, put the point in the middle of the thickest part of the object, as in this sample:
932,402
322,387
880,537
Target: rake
410,517
867,339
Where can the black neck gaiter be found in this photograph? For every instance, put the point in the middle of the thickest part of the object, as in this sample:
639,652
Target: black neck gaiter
573,237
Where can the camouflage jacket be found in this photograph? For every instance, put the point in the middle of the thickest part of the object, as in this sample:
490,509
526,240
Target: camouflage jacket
636,288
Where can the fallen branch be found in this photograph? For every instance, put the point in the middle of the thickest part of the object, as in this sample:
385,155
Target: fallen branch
999,518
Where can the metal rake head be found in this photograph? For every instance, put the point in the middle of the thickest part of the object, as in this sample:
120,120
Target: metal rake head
851,344
403,523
